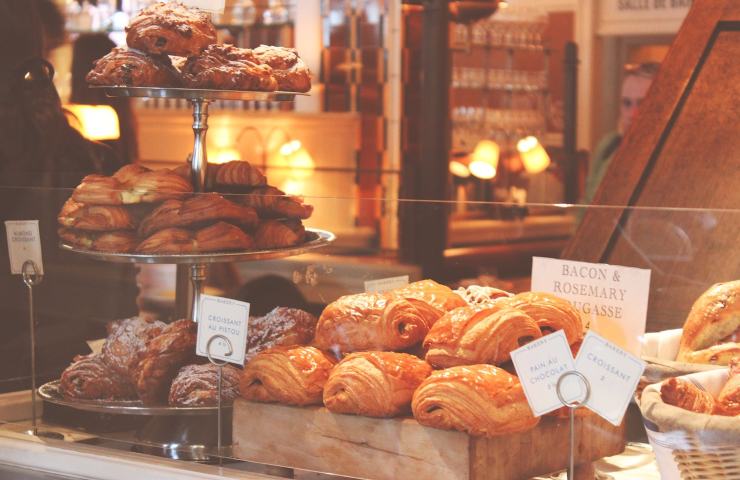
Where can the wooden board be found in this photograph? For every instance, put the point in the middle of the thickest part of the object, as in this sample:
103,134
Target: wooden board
313,438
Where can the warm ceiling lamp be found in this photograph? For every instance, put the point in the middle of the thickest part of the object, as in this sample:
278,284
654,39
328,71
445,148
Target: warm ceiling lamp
459,167
533,155
295,161
484,160
95,122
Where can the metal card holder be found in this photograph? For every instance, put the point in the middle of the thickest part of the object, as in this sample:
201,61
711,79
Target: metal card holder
220,364
572,407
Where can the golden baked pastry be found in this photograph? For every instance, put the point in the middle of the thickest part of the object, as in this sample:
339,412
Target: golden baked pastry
279,234
120,241
124,346
374,384
373,321
225,176
290,71
292,375
197,386
90,378
684,394
481,295
162,359
131,184
728,400
229,68
473,335
281,326
481,400
100,218
130,68
551,313
712,329
438,296
271,202
170,28
198,210
219,237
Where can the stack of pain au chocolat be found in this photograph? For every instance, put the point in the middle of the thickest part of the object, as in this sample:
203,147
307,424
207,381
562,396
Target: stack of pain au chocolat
171,45
138,210
442,355
155,363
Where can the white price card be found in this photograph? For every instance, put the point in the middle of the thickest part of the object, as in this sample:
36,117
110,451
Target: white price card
612,299
223,317
24,243
386,284
215,6
612,374
539,365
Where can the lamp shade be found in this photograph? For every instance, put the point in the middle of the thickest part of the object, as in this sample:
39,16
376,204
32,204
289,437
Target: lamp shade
96,122
459,169
484,160
533,155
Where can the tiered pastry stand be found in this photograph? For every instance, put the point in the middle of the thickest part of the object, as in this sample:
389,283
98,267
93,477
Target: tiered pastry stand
192,265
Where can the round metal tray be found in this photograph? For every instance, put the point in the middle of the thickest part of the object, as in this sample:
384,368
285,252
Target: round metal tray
50,393
197,93
317,239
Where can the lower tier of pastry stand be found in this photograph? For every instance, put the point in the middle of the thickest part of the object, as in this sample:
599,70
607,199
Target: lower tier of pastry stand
193,266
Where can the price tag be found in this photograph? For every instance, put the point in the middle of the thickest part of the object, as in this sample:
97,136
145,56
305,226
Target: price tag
386,284
539,365
612,373
215,6
226,317
612,299
24,243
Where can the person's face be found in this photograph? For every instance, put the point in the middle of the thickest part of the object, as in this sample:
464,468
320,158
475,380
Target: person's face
634,89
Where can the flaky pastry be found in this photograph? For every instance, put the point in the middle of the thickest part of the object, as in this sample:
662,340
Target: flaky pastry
551,313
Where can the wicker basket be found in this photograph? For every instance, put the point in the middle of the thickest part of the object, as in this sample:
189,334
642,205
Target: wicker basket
690,445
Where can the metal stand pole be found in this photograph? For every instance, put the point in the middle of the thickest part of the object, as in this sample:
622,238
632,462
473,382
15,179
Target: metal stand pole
220,365
572,407
197,278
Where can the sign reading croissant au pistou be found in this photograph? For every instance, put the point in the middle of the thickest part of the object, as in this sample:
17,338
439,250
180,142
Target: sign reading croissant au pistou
224,323
611,299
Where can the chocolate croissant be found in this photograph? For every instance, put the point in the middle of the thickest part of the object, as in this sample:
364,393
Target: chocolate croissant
162,359
373,321
229,68
131,68
291,375
90,378
481,400
197,210
473,335
197,386
374,384
290,71
170,28
712,329
551,313
123,348
684,394
281,326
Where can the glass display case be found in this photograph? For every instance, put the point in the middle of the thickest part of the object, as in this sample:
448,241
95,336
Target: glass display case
360,363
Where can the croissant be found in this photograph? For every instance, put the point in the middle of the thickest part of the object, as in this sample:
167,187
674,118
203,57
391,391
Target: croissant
281,326
482,295
292,375
197,210
197,386
90,378
218,237
481,400
374,384
712,328
121,241
125,66
236,173
95,217
271,202
123,348
131,184
437,296
372,321
550,312
290,71
686,395
472,335
279,234
162,359
228,67
170,28
728,401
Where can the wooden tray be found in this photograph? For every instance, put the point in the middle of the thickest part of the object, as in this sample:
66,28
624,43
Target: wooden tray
313,438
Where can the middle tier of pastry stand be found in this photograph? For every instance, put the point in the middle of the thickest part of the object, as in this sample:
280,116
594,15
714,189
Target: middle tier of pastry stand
194,266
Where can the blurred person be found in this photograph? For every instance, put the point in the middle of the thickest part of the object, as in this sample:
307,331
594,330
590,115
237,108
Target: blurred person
41,159
637,81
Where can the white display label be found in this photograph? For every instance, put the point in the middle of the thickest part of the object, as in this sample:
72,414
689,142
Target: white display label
612,374
612,299
215,6
96,346
226,317
386,284
539,365
24,243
